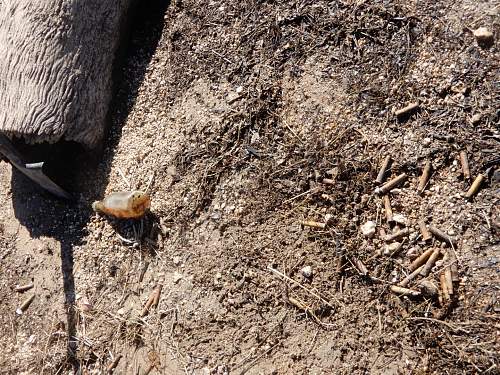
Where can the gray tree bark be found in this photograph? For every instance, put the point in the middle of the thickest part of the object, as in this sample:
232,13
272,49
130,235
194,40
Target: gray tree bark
56,67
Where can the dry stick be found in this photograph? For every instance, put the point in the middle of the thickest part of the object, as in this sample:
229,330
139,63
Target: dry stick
275,271
404,291
111,367
383,170
430,263
406,111
426,235
424,178
420,260
474,188
440,235
313,224
465,165
25,305
388,209
23,288
411,276
389,185
396,236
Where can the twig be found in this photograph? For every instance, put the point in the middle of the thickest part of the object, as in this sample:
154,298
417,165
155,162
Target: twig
282,275
123,177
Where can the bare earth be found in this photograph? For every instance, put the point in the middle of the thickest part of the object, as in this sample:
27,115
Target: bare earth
231,115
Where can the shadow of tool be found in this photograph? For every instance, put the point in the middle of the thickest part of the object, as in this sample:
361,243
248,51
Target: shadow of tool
82,174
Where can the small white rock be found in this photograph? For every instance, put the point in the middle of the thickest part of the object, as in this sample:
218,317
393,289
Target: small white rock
400,219
483,36
177,260
307,272
176,277
368,229
389,249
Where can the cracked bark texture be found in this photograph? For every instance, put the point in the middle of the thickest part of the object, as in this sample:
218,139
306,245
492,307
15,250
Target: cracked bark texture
56,67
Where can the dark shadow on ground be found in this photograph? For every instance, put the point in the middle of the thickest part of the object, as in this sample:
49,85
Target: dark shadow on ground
83,174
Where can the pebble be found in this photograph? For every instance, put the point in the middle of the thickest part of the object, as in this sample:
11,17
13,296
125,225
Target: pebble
177,260
484,37
400,219
307,272
389,249
476,119
176,277
368,229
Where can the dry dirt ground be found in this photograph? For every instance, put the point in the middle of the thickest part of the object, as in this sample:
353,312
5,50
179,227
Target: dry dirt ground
231,114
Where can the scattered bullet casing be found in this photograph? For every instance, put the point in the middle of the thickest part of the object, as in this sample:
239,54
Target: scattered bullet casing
410,277
25,305
328,181
389,185
474,188
441,236
383,170
23,288
405,112
404,291
444,287
420,260
430,263
426,235
388,209
313,224
465,165
396,236
424,178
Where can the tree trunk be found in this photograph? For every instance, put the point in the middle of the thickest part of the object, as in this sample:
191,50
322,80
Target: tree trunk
56,67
